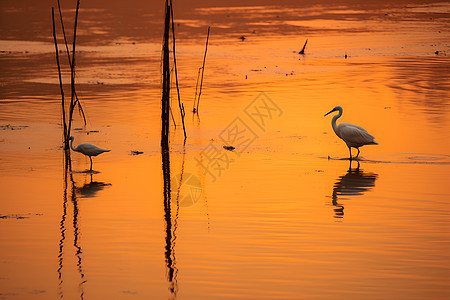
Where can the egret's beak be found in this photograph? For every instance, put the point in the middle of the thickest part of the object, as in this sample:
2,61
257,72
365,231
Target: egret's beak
330,112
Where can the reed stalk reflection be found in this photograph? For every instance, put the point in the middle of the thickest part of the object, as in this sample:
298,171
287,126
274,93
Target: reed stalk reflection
170,228
69,193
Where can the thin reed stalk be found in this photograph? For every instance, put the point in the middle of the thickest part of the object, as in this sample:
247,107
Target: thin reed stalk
165,104
72,76
203,68
64,33
170,106
77,101
176,72
173,118
60,77
196,89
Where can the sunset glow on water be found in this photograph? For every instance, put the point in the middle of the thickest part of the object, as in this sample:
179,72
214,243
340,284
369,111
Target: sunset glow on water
283,215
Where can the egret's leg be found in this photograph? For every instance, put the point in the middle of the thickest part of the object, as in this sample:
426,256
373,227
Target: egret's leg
350,150
358,153
91,163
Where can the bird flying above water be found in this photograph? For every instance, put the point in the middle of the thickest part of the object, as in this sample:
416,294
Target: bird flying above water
354,136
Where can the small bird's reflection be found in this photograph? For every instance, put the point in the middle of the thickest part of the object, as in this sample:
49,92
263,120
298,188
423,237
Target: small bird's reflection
88,190
354,183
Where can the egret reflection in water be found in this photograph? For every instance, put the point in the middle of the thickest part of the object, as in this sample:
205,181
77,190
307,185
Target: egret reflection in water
355,182
89,190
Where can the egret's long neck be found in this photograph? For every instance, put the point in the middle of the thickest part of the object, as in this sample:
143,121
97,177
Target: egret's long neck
71,145
333,121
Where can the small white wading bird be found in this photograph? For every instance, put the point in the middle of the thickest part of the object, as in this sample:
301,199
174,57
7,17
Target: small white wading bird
354,136
87,149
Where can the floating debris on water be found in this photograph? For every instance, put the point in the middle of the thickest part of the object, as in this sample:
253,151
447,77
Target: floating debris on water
92,131
18,216
229,148
136,152
12,127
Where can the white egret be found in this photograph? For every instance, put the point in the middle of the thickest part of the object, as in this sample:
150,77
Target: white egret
87,149
354,136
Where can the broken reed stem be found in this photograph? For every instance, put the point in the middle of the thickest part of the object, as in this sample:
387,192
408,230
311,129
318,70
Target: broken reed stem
60,78
176,72
303,49
203,68
165,106
72,76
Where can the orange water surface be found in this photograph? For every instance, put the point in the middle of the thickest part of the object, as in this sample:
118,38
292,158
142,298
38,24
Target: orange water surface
285,215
